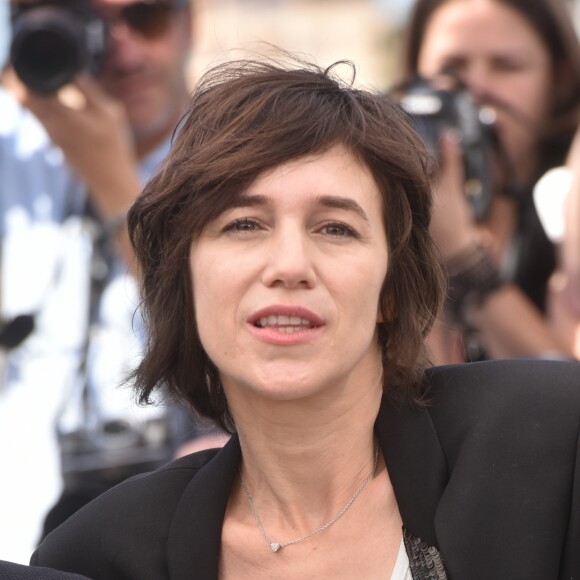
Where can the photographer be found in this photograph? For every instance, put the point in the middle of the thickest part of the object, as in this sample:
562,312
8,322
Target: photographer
521,62
72,162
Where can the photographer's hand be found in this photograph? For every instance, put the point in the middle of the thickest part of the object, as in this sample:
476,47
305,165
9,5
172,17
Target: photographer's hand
93,133
508,323
452,225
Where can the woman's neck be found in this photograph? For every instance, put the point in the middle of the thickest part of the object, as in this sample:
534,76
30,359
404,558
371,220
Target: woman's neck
303,462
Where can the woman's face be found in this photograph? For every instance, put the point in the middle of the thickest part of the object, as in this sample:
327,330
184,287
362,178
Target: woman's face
286,284
499,54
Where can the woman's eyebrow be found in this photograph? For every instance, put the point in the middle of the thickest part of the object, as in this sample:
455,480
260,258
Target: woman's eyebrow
336,202
249,201
330,201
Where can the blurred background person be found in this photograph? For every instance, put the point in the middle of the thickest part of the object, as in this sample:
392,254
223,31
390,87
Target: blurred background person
71,163
520,63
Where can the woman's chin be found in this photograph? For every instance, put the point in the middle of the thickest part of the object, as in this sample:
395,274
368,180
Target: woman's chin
286,389
283,386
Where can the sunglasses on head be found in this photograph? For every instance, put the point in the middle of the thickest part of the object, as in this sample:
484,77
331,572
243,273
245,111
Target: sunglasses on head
149,18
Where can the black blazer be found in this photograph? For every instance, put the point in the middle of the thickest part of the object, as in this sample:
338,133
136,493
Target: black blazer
13,571
488,475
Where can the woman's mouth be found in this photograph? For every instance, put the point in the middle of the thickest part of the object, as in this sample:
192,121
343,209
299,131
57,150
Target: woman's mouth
280,323
285,325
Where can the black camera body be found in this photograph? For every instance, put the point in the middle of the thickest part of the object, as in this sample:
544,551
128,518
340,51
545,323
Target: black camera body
433,111
54,40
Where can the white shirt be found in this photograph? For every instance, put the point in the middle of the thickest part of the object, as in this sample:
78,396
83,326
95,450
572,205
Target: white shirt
402,571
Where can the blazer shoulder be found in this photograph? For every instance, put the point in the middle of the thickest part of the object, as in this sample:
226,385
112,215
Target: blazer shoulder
513,382
105,531
509,435
517,406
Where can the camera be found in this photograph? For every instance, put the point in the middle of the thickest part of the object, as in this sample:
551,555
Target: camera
434,110
54,40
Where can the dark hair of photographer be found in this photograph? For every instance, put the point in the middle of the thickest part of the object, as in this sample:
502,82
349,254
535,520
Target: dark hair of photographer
248,129
519,59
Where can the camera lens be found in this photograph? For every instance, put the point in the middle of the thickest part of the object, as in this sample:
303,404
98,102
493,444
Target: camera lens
47,48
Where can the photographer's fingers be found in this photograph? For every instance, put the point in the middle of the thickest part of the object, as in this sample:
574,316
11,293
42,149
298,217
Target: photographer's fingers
451,160
452,225
105,118
92,130
92,92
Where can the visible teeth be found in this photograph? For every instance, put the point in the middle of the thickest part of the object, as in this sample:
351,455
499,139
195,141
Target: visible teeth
284,323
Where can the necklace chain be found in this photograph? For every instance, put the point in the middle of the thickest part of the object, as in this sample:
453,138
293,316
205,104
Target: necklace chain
275,546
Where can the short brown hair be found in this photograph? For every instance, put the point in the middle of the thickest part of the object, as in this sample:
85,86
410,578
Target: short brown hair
244,118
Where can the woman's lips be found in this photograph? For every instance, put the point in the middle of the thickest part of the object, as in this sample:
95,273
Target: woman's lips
285,325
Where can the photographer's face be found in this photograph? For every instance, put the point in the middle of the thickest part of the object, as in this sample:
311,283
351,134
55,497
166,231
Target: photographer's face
501,58
145,68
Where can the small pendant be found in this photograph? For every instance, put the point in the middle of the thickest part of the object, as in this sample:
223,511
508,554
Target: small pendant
275,546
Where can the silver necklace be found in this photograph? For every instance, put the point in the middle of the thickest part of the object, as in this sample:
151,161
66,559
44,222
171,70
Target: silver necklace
275,546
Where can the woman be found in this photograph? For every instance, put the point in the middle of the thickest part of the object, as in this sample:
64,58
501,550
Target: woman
289,280
521,59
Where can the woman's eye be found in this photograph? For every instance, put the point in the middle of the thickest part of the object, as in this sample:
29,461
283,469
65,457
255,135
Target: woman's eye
339,230
242,225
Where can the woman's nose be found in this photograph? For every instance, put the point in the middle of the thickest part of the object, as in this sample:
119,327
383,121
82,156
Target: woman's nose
290,261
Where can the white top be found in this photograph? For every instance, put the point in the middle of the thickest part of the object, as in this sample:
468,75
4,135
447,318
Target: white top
402,571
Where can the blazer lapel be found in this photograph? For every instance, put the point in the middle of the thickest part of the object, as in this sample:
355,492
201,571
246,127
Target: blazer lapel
194,539
416,465
412,453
